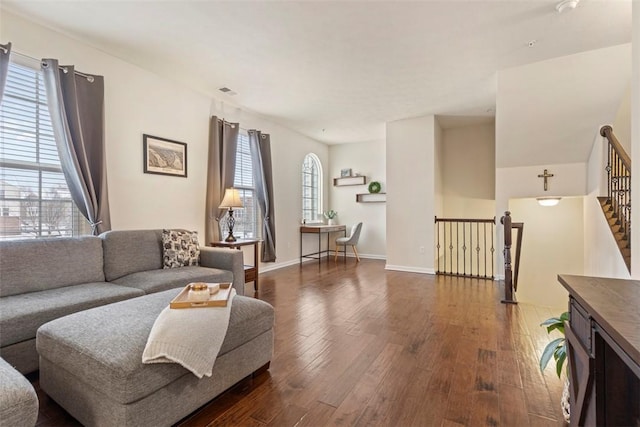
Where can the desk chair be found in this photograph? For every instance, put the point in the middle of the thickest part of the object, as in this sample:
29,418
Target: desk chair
351,240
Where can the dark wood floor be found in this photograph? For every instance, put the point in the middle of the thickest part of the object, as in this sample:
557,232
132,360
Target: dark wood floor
360,346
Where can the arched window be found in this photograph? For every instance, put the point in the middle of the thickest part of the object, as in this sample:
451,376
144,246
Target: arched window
311,188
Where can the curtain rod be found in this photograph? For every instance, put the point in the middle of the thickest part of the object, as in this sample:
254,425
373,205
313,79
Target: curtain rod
262,135
89,77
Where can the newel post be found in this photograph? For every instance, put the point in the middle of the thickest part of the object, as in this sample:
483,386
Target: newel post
508,276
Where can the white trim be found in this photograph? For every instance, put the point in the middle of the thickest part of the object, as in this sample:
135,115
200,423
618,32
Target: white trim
498,277
365,256
289,263
278,265
410,269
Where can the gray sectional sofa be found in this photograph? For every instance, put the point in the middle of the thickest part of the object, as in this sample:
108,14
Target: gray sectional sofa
45,279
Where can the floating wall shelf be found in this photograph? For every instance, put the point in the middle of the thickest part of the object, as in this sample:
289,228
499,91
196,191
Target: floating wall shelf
371,198
349,180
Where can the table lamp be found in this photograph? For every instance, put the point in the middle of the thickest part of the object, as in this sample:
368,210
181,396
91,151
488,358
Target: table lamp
231,200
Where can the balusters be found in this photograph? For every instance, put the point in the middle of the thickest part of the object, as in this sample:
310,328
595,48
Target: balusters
466,246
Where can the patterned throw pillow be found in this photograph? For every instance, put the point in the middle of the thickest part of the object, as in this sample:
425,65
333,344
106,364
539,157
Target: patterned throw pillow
180,248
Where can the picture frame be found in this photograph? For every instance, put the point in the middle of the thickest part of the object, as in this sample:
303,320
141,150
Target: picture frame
345,172
164,156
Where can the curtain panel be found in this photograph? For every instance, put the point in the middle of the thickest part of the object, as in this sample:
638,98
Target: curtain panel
260,146
5,56
76,105
221,170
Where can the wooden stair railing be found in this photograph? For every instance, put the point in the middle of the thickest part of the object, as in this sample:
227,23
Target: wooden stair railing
617,203
464,247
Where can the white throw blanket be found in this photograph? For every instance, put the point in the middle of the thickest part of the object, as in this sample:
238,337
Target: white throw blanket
191,337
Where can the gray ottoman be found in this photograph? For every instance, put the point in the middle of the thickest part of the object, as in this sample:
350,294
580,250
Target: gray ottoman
91,362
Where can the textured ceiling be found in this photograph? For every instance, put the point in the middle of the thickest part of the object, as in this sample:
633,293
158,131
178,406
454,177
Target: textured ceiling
337,71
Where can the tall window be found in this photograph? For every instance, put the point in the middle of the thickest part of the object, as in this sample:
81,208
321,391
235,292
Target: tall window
246,219
311,188
34,197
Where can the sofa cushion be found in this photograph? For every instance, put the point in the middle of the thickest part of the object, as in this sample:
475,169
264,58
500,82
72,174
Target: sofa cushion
104,345
163,279
21,315
18,399
180,248
36,265
131,251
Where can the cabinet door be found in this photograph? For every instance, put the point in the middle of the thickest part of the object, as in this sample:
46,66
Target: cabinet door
581,378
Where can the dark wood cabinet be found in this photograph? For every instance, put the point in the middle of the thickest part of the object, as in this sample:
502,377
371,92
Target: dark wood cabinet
603,344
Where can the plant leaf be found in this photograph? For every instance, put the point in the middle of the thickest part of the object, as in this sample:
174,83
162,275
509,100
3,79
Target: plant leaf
560,363
551,321
548,352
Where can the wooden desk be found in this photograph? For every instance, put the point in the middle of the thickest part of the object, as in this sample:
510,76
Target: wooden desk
603,344
319,230
250,271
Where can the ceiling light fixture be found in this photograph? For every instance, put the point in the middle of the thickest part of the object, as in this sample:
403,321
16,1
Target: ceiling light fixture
566,4
548,201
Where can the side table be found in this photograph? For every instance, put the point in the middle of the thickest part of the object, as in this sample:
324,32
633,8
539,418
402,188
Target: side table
250,271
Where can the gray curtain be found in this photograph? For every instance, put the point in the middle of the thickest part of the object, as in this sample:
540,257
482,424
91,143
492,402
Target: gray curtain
221,170
5,54
260,146
76,105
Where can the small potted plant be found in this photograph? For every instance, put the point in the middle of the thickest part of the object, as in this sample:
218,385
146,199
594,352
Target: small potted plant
558,349
331,216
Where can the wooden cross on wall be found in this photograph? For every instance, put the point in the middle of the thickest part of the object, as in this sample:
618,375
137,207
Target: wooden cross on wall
545,175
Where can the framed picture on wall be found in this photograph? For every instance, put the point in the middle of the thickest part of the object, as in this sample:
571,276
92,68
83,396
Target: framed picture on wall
345,172
164,157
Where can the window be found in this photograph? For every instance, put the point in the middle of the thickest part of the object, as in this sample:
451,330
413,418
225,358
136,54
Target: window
246,219
311,188
34,197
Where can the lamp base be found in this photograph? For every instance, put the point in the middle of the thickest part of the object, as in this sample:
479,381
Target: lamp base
231,223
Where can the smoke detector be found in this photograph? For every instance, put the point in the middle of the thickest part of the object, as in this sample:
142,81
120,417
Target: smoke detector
566,4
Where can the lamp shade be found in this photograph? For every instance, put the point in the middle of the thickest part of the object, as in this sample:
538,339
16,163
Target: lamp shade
231,199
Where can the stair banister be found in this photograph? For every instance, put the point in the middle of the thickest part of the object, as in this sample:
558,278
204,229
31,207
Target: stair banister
607,132
617,204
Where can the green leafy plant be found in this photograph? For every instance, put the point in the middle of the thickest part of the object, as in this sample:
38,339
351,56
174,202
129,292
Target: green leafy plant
330,214
374,187
558,347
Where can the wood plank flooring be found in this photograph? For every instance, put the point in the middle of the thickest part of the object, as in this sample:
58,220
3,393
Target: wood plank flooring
356,345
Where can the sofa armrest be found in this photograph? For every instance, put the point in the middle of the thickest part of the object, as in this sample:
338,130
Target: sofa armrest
225,259
18,400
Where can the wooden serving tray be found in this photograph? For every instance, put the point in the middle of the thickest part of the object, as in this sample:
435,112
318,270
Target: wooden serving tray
219,299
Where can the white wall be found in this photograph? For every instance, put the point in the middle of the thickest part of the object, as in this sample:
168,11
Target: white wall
469,171
368,159
622,123
137,102
410,194
439,170
552,244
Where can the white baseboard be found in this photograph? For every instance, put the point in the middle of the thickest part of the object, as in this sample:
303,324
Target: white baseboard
499,277
278,265
408,269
